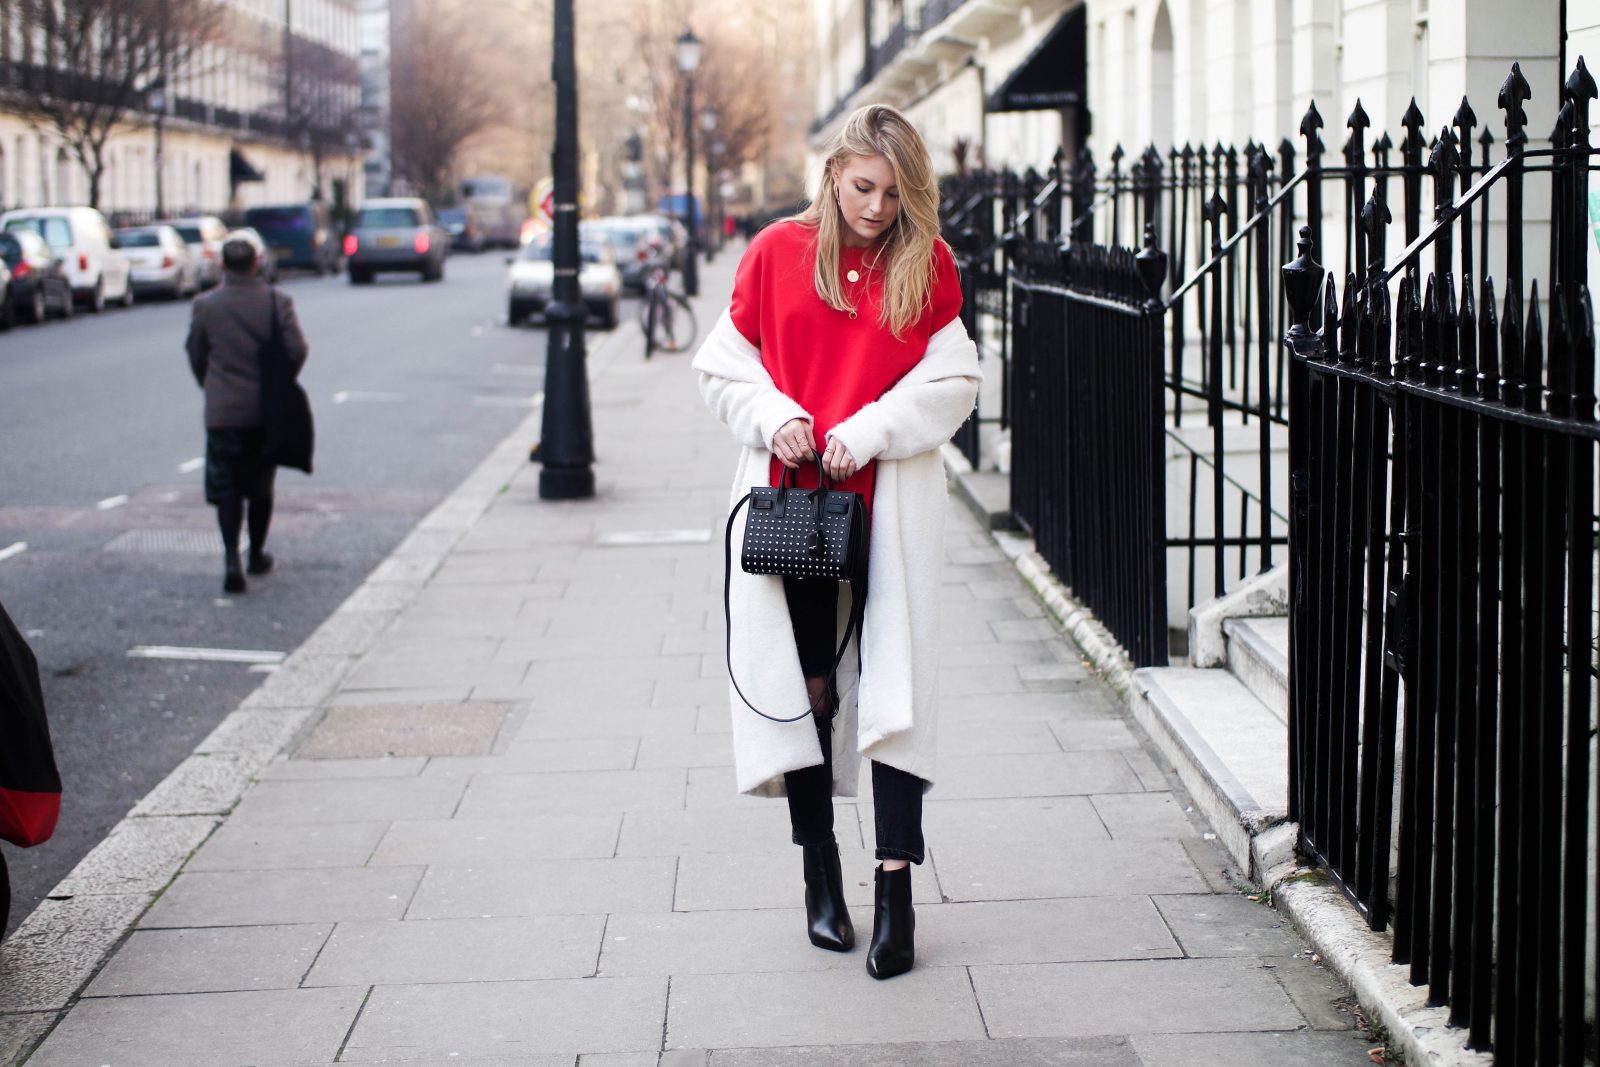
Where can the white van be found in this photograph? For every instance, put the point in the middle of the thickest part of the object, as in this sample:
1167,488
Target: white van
79,235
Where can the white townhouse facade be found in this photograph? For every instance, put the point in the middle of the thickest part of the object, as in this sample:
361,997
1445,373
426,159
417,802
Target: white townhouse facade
267,113
1019,79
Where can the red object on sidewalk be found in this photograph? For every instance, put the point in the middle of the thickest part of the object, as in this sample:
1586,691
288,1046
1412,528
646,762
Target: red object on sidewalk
728,226
30,786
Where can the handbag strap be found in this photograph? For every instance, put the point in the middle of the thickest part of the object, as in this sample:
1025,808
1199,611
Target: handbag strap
858,600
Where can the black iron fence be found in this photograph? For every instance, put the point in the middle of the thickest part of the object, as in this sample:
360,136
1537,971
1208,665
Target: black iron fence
1443,576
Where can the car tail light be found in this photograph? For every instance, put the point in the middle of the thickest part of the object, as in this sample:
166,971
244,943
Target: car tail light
166,261
21,270
209,253
83,261
351,244
420,244
644,256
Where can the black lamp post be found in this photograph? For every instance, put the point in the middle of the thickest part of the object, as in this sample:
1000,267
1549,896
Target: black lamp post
566,444
688,60
708,124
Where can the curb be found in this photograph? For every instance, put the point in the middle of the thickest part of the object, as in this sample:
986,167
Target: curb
1317,908
58,948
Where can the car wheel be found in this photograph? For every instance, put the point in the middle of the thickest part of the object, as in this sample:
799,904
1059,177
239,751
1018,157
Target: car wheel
34,309
8,311
612,316
127,294
517,314
358,276
97,299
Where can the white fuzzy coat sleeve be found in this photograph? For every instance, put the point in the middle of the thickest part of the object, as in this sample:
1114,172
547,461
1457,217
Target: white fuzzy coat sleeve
738,389
923,409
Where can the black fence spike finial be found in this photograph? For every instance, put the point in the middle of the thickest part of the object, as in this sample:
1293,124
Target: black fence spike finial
1514,92
1358,119
1580,83
1302,283
1465,119
1152,266
1375,219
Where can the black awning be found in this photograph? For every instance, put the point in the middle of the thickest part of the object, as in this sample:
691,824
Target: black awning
1055,73
241,169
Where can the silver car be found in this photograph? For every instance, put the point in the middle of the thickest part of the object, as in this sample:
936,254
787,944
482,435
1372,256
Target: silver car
397,234
159,261
204,235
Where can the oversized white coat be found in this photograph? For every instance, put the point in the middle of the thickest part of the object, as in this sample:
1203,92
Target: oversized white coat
888,712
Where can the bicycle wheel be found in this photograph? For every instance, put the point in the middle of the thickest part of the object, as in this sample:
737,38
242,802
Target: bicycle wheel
675,326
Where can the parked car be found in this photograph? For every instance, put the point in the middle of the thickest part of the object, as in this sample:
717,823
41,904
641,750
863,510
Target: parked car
300,236
204,235
161,261
396,234
532,277
39,286
80,236
637,246
266,262
464,227
8,310
674,237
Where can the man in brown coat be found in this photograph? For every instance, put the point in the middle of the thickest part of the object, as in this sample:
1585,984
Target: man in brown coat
230,326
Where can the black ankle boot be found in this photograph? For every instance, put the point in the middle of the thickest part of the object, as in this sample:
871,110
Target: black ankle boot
232,574
827,918
894,924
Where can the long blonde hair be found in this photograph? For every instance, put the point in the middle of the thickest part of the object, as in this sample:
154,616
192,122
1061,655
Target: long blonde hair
906,252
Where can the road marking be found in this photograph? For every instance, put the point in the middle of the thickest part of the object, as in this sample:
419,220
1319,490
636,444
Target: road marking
209,655
112,502
344,396
16,548
517,368
505,401
189,466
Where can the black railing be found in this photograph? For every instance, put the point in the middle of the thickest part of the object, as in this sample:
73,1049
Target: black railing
1442,574
1088,479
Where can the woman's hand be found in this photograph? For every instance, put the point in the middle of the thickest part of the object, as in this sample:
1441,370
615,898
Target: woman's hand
837,461
792,443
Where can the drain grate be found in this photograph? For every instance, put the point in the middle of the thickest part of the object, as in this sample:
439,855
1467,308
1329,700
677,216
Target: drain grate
168,542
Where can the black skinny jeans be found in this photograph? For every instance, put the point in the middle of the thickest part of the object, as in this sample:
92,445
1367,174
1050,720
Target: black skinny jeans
896,795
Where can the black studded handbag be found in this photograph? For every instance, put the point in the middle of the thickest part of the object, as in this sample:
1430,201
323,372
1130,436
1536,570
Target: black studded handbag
800,533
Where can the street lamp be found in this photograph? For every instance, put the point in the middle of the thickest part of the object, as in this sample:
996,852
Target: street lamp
158,103
566,440
688,60
708,124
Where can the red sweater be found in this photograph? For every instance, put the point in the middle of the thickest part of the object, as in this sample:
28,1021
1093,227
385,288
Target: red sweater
831,363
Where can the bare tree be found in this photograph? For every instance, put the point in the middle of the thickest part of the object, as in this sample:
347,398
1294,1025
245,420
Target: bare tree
88,63
443,92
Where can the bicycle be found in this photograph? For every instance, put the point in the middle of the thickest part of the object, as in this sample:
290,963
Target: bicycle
666,317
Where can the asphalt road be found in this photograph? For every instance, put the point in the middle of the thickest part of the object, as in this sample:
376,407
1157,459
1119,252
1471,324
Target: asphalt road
100,421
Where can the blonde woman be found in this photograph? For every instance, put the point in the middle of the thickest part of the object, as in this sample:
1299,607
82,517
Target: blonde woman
843,337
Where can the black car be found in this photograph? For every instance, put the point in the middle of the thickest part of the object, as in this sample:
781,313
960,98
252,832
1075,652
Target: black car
463,226
39,285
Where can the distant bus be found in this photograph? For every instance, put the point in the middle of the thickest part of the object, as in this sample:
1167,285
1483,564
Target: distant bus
500,206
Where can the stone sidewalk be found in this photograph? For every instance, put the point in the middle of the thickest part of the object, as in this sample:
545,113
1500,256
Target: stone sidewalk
513,837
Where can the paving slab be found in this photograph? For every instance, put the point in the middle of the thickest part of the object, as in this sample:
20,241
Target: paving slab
409,729
459,950
656,833
347,800
561,1015
547,887
1035,774
221,959
1302,1048
469,842
53,952
300,770
554,754
686,750
1194,996
605,715
977,870
827,1007
1012,1052
1145,816
728,881
491,796
1218,924
264,898
205,1030
721,942
239,846
21,1032
1021,821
